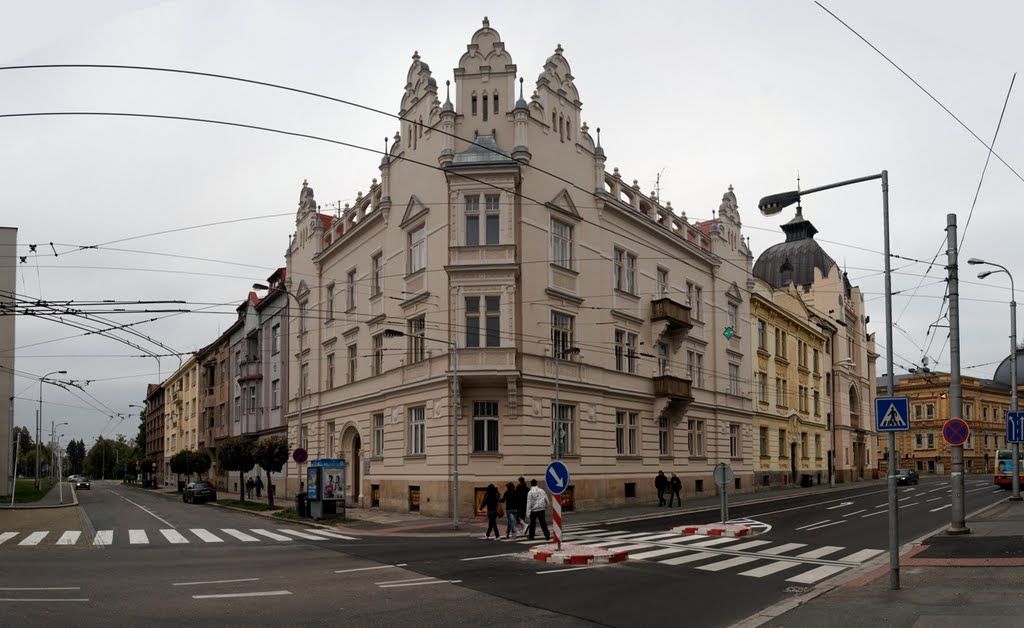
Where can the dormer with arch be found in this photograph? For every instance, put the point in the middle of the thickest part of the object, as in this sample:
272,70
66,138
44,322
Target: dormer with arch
420,105
485,81
558,97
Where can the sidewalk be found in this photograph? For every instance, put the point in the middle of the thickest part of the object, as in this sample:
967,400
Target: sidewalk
944,581
51,500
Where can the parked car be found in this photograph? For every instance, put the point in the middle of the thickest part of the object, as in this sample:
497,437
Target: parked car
199,492
906,476
73,478
82,482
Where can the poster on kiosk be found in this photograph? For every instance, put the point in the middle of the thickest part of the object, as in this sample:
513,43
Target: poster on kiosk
325,481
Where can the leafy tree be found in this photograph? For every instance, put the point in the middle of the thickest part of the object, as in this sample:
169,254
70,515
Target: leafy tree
76,456
271,454
140,438
199,462
179,463
100,460
235,454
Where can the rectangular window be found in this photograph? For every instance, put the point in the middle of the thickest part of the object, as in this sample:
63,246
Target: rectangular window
817,403
353,362
377,280
734,379
472,321
731,315
330,302
919,441
565,430
418,249
492,219
734,440
331,440
782,444
330,371
663,437
417,431
624,277
931,440
561,244
929,411
695,437
969,412
304,437
473,220
275,339
625,351
493,305
663,358
304,379
695,295
562,332
817,362
378,435
351,290
801,354
917,411
762,333
417,341
626,433
762,439
378,355
485,426
780,393
762,387
984,413
302,320
695,368
803,446
662,280
817,446
275,393
492,323
252,400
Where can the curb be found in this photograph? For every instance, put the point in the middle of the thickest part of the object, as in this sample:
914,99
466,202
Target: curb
29,506
735,530
572,554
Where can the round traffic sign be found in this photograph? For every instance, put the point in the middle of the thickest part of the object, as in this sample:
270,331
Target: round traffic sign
300,455
723,473
557,477
955,431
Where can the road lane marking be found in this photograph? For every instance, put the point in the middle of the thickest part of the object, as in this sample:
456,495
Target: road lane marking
138,537
250,594
855,512
365,568
934,498
840,505
910,504
811,525
271,535
147,511
209,537
775,551
906,498
40,588
484,557
861,556
973,490
69,538
104,537
814,575
819,552
728,563
880,512
188,584
43,599
241,536
334,535
417,584
827,525
882,505
941,508
7,536
770,568
302,535
689,558
658,552
34,538
173,536
998,490
547,571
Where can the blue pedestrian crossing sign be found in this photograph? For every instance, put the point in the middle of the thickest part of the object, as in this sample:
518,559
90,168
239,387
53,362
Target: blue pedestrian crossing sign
892,414
1015,427
557,477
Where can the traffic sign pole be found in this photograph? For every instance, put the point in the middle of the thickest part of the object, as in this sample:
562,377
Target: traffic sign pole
556,520
557,479
892,414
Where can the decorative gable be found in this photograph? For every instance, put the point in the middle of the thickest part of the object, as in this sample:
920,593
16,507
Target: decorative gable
562,202
414,211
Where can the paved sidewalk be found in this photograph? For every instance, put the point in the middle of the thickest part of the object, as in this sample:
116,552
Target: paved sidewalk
51,500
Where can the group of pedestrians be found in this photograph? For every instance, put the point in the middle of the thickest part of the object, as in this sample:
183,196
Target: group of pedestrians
518,504
251,485
673,487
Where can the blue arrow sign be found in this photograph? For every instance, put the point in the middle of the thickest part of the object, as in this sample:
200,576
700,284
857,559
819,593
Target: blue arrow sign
557,477
1015,427
892,414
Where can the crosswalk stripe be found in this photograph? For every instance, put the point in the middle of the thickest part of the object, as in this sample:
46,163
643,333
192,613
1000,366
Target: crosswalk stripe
812,576
819,552
626,548
748,545
104,537
721,540
302,535
209,537
658,552
861,556
782,548
685,539
7,536
138,537
773,567
241,536
173,536
731,562
69,538
594,533
334,535
689,558
654,537
270,535
34,538
632,535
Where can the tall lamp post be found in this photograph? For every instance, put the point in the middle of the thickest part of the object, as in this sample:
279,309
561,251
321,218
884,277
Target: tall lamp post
556,415
1015,447
39,420
302,384
456,402
771,205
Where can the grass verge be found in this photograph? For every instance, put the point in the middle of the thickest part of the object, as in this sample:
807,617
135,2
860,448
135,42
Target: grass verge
235,503
26,492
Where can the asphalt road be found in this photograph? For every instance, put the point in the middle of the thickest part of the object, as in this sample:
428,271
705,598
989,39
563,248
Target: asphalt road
162,562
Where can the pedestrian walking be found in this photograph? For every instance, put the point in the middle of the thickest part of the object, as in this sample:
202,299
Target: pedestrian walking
661,483
249,486
675,485
490,502
511,501
536,505
521,493
259,486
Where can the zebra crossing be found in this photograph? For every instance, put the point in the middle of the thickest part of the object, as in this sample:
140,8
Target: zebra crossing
754,558
164,536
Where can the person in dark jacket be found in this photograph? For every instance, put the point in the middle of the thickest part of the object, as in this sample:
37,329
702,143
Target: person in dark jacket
675,485
511,501
661,483
521,492
490,502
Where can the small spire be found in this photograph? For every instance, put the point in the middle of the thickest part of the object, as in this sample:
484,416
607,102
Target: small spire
558,49
415,55
386,159
599,137
305,183
521,103
797,180
447,97
487,22
520,88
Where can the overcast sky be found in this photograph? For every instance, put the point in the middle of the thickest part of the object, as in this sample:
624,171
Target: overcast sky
710,94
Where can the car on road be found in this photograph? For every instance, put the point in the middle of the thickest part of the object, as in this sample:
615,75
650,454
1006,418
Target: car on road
199,492
906,476
82,482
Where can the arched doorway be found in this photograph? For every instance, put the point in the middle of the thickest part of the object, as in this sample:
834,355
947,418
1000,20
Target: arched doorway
351,447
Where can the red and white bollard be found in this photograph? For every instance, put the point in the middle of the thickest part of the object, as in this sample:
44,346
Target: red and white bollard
556,520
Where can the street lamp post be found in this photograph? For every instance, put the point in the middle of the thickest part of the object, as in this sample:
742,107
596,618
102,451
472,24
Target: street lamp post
771,205
556,414
39,420
456,402
302,385
1015,447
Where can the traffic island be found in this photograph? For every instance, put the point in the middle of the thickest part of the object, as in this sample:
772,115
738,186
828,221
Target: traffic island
715,529
575,554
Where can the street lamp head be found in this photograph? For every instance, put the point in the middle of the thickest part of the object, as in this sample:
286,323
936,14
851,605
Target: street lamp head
985,273
771,205
974,260
393,333
260,286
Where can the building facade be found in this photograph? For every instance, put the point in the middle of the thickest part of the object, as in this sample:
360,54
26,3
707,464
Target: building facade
180,412
468,320
155,430
215,400
8,288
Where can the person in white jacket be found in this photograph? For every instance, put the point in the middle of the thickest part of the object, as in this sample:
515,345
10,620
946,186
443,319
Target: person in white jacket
536,505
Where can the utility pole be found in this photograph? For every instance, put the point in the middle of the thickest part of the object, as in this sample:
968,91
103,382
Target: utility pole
958,524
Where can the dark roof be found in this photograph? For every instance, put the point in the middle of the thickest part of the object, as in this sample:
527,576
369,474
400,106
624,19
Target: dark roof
483,150
1002,375
794,260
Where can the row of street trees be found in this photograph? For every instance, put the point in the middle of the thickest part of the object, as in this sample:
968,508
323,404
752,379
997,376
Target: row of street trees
187,461
242,453
24,447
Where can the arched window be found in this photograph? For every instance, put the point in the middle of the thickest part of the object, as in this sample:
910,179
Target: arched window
472,100
495,102
561,128
854,407
485,107
568,125
554,121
